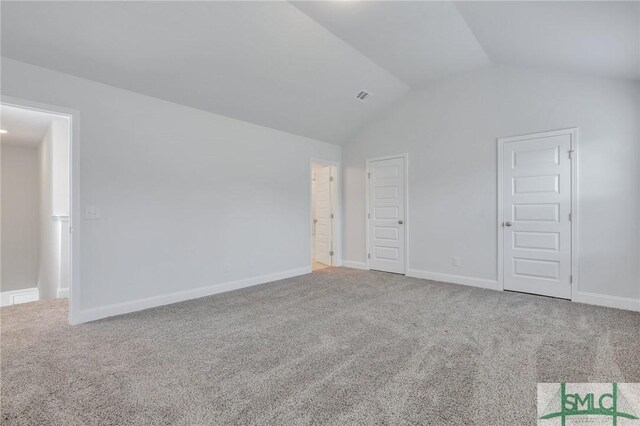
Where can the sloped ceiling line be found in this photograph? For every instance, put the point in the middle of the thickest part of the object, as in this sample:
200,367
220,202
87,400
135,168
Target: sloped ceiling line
296,66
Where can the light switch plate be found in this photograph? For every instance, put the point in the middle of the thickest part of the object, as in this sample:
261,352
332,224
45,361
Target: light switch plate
91,213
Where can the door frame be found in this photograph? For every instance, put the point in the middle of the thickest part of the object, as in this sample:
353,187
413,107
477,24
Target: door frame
573,131
336,228
74,193
404,156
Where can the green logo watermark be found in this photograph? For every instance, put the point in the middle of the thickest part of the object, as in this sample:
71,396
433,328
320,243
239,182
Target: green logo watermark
601,403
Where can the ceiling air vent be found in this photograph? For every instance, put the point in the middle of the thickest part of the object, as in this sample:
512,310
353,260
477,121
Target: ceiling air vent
363,96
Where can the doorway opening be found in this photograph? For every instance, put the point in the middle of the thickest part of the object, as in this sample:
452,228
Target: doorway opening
35,212
324,215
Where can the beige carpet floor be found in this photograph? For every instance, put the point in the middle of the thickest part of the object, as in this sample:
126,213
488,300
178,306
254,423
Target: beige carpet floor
338,346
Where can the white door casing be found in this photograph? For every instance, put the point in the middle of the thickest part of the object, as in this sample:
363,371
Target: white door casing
386,214
536,210
323,216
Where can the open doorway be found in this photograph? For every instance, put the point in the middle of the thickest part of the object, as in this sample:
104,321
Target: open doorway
324,223
35,204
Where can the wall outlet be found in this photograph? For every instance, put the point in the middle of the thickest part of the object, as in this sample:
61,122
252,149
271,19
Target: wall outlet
455,261
91,213
227,267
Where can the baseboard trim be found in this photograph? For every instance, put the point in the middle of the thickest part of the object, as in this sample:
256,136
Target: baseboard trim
15,297
354,265
453,279
626,303
181,296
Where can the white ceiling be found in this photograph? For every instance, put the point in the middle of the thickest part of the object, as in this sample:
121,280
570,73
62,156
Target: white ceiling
297,66
416,41
599,38
263,62
24,127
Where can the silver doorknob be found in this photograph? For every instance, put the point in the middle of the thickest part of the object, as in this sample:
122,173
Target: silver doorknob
507,224
400,222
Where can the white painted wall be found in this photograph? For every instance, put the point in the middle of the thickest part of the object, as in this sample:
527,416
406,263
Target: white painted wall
49,257
64,260
56,216
449,130
60,167
19,213
181,192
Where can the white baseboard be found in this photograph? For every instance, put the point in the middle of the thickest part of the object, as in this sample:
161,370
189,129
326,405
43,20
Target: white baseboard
581,297
354,265
63,293
454,279
435,276
15,297
608,301
180,296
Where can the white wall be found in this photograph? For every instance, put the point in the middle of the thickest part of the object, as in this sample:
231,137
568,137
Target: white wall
64,260
48,270
19,215
60,167
54,251
450,129
181,193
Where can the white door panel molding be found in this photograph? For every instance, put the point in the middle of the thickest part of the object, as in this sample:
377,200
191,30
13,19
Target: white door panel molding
537,205
387,214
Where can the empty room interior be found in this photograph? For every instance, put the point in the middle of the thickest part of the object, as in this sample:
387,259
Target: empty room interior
320,212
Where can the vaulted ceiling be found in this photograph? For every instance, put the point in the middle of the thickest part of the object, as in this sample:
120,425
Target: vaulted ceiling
417,41
297,66
600,38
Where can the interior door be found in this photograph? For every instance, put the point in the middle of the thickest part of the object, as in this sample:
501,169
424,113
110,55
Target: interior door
386,215
323,216
537,215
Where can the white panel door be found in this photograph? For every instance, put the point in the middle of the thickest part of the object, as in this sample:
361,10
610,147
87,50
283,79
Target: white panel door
536,211
322,216
386,215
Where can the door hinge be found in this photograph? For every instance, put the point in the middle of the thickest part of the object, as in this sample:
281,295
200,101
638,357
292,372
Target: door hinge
331,253
571,278
368,215
570,154
71,229
570,217
369,256
369,175
330,178
331,216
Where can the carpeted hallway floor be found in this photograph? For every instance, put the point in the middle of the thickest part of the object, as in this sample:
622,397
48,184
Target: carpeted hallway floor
338,346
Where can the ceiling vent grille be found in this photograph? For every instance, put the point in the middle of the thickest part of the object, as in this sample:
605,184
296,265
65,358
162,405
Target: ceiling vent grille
363,96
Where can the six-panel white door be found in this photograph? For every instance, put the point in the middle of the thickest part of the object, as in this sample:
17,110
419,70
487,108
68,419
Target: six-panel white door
322,216
387,215
537,215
